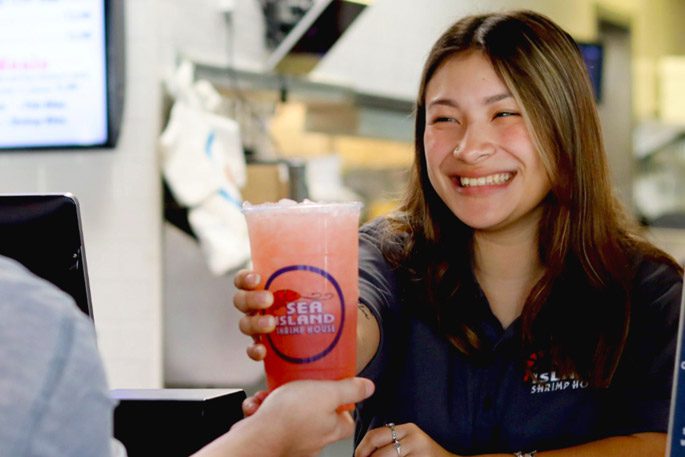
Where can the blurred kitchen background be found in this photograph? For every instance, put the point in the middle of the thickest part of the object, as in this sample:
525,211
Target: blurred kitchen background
230,100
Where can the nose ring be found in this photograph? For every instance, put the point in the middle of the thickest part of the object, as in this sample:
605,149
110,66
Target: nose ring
458,149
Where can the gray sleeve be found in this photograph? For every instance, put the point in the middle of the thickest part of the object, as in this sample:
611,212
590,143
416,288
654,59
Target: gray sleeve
55,400
76,417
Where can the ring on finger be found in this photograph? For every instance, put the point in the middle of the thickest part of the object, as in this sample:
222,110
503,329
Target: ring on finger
395,440
393,432
398,447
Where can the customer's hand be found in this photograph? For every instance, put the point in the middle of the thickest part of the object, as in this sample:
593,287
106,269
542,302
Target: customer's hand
304,417
250,301
296,420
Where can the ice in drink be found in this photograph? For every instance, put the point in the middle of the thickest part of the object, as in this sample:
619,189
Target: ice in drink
307,256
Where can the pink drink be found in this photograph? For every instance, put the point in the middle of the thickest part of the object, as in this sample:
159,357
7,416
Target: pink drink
307,256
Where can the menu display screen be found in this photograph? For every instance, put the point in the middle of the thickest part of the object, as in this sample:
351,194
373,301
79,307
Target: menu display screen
53,74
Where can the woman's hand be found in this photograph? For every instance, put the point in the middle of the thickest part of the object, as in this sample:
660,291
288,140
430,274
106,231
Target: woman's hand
250,301
413,442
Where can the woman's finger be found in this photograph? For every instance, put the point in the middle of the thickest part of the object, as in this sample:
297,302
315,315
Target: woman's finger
256,352
261,395
373,440
249,301
252,403
250,406
246,279
387,451
257,324
378,441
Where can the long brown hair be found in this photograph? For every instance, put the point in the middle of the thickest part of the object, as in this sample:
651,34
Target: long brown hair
579,310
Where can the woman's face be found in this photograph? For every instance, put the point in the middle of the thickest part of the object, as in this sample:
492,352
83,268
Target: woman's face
481,160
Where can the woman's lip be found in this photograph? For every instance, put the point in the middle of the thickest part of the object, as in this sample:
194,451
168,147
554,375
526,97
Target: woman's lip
482,174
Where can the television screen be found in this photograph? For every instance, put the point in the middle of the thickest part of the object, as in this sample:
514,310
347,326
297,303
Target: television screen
54,81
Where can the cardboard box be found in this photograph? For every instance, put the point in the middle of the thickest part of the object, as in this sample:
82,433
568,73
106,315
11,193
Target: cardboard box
266,182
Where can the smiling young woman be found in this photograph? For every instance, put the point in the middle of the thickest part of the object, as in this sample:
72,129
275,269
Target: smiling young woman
510,241
509,306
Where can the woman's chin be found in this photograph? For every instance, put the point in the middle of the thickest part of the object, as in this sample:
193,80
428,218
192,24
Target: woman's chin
482,222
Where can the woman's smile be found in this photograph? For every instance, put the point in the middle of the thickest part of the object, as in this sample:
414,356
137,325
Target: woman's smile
490,180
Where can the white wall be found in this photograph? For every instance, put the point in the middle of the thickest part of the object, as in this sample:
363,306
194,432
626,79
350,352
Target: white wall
119,192
389,62
213,32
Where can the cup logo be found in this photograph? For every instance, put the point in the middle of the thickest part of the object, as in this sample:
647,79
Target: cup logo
309,302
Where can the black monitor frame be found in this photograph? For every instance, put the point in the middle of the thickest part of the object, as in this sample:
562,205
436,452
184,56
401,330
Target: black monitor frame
43,232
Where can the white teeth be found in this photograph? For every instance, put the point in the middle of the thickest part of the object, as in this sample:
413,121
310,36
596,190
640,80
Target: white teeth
490,180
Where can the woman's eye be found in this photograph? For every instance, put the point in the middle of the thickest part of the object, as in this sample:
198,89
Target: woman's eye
443,119
506,114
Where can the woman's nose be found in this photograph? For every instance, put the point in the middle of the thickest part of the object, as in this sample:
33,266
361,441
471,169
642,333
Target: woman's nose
474,146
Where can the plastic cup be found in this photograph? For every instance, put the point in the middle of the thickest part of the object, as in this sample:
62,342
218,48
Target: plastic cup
307,256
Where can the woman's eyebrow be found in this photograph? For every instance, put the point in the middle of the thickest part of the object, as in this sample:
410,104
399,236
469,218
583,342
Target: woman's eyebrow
452,103
495,98
443,102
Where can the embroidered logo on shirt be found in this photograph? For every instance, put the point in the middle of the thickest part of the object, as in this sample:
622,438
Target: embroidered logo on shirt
543,378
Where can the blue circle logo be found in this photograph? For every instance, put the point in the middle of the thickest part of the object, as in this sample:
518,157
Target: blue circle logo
286,298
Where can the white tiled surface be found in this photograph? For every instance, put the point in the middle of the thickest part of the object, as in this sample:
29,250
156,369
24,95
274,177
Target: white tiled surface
119,192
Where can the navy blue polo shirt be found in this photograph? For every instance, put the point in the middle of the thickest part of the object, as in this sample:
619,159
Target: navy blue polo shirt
508,400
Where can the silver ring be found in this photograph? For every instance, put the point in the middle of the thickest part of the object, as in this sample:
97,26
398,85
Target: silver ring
398,448
395,439
393,432
457,150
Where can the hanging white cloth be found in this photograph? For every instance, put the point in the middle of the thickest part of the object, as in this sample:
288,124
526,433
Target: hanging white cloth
203,163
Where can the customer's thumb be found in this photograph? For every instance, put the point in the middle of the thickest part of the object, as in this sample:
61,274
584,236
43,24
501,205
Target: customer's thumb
354,390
